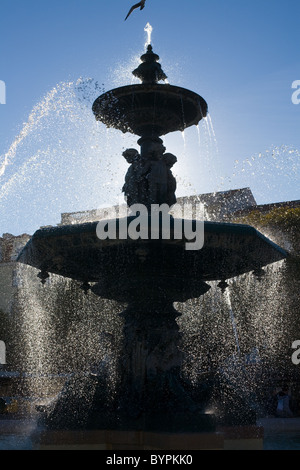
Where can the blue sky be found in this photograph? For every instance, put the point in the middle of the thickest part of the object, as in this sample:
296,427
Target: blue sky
241,56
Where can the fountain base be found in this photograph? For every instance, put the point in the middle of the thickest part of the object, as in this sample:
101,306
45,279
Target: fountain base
241,438
150,394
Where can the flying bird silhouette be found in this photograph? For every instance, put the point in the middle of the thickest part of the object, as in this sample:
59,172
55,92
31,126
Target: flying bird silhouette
137,5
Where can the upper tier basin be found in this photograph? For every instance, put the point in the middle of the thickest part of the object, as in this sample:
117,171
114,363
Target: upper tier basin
150,109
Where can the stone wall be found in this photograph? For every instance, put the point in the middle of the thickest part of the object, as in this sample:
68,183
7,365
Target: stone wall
10,247
7,288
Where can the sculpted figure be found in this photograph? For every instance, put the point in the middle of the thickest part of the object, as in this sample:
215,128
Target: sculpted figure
157,181
149,180
135,187
170,160
130,188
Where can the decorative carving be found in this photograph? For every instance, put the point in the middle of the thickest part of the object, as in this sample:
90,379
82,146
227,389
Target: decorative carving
134,188
149,179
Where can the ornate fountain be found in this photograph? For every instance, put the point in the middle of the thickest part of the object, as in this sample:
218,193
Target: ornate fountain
150,273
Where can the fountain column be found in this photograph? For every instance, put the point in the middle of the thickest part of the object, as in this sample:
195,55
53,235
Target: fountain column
151,385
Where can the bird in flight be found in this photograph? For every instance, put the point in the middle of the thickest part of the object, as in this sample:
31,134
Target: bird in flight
137,5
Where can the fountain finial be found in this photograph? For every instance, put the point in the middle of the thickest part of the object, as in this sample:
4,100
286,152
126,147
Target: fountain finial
149,71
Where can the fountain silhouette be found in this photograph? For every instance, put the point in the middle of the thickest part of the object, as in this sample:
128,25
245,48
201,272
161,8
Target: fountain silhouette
148,273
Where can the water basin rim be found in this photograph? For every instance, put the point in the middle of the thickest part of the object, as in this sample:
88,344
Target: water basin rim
138,88
209,227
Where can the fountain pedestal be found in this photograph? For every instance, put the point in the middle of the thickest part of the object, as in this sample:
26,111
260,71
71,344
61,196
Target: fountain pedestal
151,393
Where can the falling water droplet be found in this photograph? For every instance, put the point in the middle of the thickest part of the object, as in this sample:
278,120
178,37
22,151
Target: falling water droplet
184,142
228,301
199,135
